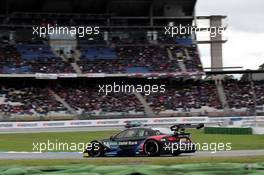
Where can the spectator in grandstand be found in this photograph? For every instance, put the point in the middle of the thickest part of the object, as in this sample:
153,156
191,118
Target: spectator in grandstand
29,101
184,97
87,99
31,57
240,94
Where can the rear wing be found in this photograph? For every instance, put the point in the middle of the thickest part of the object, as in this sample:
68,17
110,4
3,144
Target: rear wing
182,127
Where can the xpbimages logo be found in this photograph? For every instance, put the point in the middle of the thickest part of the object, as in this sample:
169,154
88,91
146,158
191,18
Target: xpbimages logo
212,147
59,146
130,88
80,31
173,31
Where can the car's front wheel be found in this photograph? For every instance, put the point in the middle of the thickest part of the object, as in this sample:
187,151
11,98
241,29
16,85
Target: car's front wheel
95,150
152,148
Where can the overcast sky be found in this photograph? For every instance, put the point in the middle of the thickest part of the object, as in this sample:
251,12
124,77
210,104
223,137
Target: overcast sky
245,33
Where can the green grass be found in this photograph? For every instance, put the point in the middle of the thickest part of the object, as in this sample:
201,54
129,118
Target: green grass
136,161
24,141
239,142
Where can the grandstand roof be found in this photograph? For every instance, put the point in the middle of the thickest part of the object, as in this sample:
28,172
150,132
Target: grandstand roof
116,7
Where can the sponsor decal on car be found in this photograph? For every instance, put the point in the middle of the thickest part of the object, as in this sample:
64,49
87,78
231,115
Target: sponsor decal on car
128,143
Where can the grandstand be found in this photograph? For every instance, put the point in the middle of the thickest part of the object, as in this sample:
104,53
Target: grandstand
119,48
130,48
71,98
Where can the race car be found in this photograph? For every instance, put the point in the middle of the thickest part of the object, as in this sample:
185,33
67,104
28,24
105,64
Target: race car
145,141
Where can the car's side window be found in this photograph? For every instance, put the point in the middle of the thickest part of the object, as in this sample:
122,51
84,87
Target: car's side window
126,134
141,133
121,134
150,132
146,133
130,133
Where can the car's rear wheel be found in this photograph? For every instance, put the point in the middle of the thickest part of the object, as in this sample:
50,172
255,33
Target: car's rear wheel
96,149
152,148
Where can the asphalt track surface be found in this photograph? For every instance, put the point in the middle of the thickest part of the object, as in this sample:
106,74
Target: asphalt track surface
35,156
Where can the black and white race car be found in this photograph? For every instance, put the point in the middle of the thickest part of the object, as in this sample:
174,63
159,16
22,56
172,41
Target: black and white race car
145,140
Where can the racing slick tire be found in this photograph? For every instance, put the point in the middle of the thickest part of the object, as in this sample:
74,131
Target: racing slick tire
97,150
152,148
